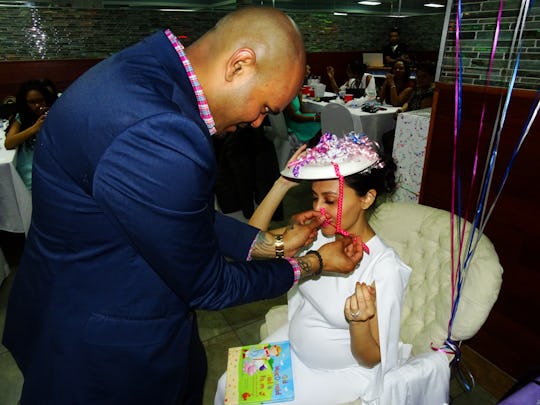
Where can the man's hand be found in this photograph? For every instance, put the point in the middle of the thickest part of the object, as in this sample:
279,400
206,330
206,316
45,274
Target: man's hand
342,255
301,231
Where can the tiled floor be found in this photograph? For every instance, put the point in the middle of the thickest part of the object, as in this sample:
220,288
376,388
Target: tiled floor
219,331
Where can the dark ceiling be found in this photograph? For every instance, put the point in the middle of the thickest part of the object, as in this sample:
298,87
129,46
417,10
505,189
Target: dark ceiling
386,8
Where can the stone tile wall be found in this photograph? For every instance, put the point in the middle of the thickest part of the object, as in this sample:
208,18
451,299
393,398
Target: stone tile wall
477,33
66,33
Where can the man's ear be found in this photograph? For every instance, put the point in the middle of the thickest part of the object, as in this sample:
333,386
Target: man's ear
369,199
240,63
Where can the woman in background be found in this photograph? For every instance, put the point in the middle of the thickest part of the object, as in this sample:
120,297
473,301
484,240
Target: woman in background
33,102
397,86
422,94
357,78
306,126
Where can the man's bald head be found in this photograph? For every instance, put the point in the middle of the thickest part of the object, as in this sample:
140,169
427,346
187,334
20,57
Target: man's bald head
271,29
247,52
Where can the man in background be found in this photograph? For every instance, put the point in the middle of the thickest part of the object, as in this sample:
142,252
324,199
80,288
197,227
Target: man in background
395,50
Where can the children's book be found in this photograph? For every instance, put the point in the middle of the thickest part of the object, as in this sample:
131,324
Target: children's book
259,374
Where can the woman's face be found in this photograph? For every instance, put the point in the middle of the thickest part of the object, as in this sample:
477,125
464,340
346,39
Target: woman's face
399,68
325,195
36,102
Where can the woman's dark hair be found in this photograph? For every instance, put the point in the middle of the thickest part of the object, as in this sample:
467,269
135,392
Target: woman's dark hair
427,67
49,85
382,180
27,116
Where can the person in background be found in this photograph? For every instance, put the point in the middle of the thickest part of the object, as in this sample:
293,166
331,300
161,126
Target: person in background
397,86
421,97
422,94
357,78
33,103
305,126
395,50
125,244
308,74
343,331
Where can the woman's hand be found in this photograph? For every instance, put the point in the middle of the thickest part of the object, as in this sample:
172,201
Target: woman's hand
330,71
342,255
39,122
287,182
361,306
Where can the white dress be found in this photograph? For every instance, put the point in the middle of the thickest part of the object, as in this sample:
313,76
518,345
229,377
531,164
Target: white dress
325,371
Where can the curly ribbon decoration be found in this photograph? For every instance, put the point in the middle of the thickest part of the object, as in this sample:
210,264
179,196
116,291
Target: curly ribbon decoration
332,149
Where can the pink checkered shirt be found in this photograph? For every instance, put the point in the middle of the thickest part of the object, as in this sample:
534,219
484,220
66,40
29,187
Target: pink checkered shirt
204,110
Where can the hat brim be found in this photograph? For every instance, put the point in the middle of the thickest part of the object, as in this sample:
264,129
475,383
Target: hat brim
327,171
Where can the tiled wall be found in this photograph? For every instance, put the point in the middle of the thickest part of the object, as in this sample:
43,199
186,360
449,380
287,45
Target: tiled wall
65,33
477,33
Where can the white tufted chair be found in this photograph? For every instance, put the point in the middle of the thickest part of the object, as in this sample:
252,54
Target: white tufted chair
421,237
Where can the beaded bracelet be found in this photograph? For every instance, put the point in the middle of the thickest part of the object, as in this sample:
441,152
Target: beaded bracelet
314,252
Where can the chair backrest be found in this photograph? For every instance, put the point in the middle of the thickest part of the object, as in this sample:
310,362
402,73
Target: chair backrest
421,237
336,119
281,138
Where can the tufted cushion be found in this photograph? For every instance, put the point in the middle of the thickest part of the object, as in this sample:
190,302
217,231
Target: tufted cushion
421,237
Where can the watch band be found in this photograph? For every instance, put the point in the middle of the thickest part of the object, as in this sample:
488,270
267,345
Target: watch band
279,246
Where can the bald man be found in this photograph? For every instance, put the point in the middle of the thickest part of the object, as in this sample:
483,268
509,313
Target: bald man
124,243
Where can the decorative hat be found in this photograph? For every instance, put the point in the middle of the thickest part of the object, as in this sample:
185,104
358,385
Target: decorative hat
334,157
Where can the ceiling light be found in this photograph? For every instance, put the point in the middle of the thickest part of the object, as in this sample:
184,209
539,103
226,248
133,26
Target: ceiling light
339,13
435,5
176,10
369,3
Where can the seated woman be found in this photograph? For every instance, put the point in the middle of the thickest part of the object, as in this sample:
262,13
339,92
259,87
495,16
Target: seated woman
357,79
305,125
422,94
397,86
33,102
343,330
421,97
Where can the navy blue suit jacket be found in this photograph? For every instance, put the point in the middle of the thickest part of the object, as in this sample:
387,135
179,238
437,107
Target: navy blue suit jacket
124,242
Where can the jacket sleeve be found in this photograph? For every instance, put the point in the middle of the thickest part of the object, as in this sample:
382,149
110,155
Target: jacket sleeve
155,182
235,238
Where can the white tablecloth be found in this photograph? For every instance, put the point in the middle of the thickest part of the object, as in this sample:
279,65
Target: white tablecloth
374,125
409,152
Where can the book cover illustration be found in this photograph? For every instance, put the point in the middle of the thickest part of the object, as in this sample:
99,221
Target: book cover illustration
259,374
